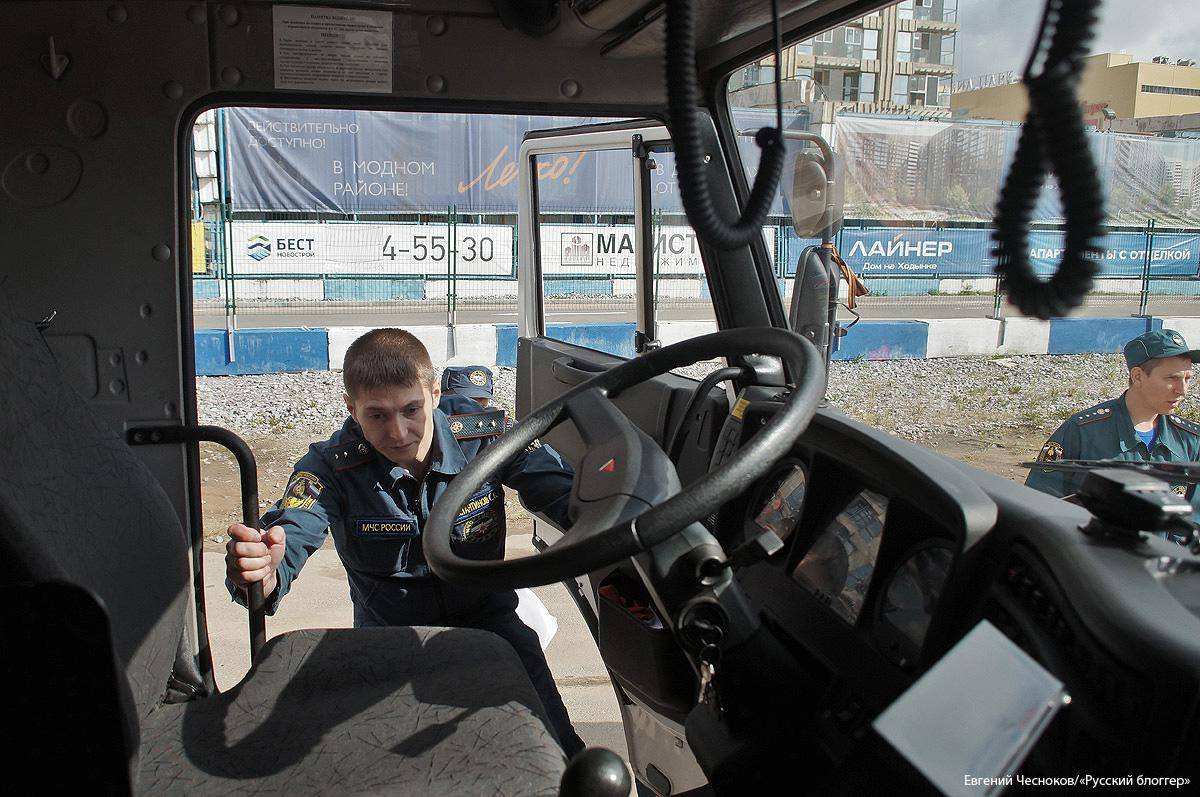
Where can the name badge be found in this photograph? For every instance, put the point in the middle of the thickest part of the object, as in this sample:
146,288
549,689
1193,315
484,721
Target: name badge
384,528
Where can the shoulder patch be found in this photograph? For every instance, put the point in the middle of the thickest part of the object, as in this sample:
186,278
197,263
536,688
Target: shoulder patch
1094,415
1191,427
303,490
467,426
349,455
1051,452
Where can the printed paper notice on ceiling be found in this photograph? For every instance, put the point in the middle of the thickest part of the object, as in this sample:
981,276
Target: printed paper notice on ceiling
333,49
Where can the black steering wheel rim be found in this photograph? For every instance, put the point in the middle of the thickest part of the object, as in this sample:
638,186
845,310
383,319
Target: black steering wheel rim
569,558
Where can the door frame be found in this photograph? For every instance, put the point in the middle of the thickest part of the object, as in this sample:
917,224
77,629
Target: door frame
637,136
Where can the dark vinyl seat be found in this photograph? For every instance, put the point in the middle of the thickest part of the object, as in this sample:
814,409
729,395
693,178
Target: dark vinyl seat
93,594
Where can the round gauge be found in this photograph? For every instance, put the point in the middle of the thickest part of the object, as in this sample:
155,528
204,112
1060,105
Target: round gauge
907,604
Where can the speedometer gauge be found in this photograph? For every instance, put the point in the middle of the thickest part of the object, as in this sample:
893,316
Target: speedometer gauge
908,600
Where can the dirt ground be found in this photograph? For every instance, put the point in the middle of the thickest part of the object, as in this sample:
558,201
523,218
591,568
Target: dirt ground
276,455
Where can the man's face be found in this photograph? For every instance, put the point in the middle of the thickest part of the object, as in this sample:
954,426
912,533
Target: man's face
397,421
1162,383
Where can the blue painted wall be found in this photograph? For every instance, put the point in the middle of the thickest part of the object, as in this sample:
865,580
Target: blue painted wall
576,287
883,340
205,289
262,351
381,290
1089,335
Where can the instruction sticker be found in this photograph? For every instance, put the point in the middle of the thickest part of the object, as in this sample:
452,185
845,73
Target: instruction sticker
333,49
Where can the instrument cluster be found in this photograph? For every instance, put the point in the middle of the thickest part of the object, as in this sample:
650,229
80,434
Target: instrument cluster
834,539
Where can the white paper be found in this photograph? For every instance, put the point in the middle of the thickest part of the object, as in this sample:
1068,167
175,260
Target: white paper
534,614
333,49
969,722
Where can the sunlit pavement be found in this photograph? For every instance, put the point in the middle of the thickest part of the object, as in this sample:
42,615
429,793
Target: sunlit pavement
320,599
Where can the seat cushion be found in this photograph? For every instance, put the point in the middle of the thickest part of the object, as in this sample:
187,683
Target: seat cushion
400,710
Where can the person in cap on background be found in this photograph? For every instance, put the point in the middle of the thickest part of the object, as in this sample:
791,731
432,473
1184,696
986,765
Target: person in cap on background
1138,424
472,381
476,382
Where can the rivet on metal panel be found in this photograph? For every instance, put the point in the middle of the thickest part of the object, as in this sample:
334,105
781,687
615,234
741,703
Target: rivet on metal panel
229,15
114,358
435,83
37,163
436,25
161,253
169,409
146,311
141,357
117,14
570,88
231,76
156,437
41,176
172,90
196,14
116,387
87,119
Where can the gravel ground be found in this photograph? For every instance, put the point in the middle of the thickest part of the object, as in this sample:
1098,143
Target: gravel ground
969,397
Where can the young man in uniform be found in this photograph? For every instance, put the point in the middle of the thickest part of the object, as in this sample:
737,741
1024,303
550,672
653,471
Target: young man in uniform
1138,424
372,486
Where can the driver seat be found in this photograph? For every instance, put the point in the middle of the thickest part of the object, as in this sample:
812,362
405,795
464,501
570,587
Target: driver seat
94,586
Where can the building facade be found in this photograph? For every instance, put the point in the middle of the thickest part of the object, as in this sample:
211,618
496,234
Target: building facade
1114,81
899,60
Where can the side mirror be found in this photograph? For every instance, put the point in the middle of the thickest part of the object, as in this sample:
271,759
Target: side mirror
815,199
817,192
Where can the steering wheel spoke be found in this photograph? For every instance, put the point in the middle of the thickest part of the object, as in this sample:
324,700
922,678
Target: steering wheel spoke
624,476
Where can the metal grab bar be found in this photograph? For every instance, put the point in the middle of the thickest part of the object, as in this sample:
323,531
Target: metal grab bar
248,472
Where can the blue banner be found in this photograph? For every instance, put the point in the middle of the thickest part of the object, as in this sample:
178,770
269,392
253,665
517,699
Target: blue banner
363,162
902,252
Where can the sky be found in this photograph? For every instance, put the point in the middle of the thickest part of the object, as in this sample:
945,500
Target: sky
996,35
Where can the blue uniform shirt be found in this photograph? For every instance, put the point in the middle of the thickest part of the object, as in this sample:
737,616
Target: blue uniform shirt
1106,431
376,513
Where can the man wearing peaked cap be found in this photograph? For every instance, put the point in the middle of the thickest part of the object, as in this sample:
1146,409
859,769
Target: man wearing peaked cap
1138,424
472,381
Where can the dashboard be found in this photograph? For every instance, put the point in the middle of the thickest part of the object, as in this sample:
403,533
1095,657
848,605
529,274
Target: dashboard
890,554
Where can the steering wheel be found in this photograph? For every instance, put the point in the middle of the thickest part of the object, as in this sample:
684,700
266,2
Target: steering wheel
626,496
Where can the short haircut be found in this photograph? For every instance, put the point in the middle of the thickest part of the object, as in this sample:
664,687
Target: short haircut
385,358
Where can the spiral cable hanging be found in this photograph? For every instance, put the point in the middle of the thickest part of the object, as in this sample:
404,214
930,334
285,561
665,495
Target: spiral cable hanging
1053,139
683,98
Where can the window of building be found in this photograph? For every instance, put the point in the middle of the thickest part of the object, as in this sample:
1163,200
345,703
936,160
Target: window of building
949,10
904,46
866,87
870,45
823,78
850,88
947,48
900,89
905,10
804,73
854,35
1171,90
804,47
824,37
943,92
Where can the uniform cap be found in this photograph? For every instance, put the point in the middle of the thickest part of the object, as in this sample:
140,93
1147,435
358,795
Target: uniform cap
1158,343
472,381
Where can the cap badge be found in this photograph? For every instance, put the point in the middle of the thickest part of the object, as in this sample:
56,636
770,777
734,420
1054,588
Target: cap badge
478,378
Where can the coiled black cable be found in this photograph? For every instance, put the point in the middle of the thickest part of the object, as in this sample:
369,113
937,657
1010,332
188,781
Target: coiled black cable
1053,136
683,97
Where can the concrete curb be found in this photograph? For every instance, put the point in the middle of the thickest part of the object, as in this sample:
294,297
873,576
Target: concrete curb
261,351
